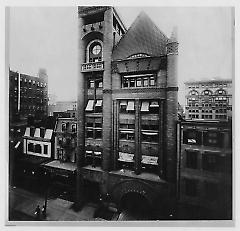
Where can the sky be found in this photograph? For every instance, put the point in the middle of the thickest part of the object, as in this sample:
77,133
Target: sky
46,37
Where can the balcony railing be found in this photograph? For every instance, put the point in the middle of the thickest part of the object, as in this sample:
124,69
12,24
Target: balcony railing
97,66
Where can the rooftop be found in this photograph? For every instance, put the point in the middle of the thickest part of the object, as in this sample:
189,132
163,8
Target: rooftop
143,36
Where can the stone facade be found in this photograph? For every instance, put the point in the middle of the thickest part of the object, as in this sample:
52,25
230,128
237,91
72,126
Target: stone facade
209,100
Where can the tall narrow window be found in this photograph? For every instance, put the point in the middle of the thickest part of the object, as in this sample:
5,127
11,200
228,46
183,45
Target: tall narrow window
45,149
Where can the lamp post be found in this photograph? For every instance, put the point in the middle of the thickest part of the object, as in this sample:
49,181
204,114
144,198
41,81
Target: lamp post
48,180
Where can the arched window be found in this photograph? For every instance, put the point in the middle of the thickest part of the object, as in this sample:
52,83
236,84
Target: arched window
206,92
193,92
94,51
221,92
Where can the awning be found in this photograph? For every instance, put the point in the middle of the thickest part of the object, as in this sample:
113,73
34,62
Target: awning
150,133
89,152
154,104
99,103
89,105
130,106
123,102
27,132
145,106
37,132
48,134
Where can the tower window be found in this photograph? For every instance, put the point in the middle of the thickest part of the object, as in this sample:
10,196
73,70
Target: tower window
94,51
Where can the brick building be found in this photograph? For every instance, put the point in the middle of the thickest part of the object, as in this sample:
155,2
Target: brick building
62,106
211,100
127,87
66,140
28,95
205,170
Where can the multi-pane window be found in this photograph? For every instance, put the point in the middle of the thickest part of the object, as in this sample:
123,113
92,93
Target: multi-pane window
135,81
94,127
192,136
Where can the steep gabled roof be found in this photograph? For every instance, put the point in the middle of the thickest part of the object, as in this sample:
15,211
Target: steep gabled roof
142,37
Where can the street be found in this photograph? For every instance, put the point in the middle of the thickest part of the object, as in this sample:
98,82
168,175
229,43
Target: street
22,204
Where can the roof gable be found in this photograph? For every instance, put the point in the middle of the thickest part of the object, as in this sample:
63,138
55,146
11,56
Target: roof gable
142,37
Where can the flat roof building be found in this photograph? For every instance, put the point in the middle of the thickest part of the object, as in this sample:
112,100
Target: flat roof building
211,100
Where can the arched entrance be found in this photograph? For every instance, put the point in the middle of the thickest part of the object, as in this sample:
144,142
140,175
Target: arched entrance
134,206
135,199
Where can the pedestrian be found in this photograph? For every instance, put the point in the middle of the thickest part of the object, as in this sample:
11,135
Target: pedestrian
37,212
44,211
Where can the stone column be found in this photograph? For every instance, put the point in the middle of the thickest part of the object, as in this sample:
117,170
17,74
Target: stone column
107,89
81,117
137,154
171,108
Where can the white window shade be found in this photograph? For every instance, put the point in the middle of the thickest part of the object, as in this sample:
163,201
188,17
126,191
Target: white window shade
27,132
99,103
150,133
130,106
123,102
48,134
90,105
145,106
152,160
154,104
37,132
125,157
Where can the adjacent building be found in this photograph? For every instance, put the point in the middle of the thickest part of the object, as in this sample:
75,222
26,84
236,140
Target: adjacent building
38,142
62,106
127,110
28,96
66,140
205,170
211,100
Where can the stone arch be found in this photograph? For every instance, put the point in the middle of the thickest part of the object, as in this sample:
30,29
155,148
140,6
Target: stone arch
119,190
193,92
220,92
88,38
207,92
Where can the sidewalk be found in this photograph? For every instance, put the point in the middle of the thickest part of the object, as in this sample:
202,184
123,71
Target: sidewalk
25,202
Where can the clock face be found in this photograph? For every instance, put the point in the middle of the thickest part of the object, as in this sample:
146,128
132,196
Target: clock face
96,49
